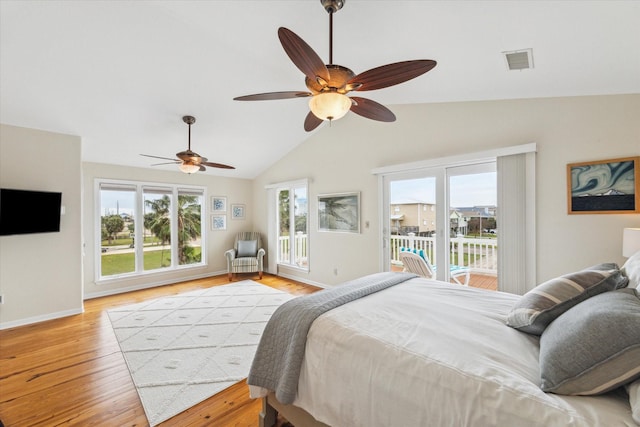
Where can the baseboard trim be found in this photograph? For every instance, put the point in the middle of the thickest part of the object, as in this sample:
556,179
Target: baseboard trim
154,284
40,318
303,280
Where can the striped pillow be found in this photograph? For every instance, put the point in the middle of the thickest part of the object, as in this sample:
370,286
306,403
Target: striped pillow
594,347
541,305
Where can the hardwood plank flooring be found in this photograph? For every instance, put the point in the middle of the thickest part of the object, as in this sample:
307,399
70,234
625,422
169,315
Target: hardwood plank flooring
70,371
483,281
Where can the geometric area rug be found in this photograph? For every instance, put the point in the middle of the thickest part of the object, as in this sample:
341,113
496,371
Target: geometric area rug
183,349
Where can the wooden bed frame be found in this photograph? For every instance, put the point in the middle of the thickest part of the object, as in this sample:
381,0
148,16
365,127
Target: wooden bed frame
296,416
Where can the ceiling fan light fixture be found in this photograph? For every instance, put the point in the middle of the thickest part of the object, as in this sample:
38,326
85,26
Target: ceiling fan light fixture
188,167
330,105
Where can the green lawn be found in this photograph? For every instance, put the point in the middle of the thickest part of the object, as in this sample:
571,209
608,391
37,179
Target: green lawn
128,240
125,263
467,258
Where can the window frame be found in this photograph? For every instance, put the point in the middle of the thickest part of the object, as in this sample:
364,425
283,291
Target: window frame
273,192
138,214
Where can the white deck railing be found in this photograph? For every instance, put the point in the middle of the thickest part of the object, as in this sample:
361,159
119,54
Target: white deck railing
481,254
284,248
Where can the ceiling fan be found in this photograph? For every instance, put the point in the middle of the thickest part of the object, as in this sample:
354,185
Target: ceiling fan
189,161
329,84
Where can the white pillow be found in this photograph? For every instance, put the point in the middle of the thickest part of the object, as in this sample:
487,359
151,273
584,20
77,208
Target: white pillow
634,399
631,269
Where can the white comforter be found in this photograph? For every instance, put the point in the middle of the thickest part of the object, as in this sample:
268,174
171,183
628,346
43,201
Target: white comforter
430,354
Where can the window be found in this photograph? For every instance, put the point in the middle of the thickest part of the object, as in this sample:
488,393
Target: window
146,227
292,226
189,226
288,225
116,213
157,227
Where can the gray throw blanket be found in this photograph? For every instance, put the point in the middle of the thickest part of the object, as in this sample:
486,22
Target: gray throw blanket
278,360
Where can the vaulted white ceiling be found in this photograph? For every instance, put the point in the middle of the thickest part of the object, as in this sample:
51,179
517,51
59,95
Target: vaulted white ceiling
121,74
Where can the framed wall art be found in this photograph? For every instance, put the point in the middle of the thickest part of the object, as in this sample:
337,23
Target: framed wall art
237,211
218,222
604,186
218,204
339,212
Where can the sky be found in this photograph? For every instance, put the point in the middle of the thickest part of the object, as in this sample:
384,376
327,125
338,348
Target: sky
117,202
466,190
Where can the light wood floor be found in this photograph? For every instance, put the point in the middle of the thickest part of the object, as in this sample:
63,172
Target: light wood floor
483,281
70,371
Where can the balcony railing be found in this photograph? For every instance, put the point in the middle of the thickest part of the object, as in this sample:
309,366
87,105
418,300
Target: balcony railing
301,247
480,255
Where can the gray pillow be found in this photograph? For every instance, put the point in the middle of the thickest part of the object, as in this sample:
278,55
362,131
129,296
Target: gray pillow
594,347
541,305
247,248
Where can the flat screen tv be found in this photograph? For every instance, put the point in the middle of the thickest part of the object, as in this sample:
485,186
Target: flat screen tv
26,212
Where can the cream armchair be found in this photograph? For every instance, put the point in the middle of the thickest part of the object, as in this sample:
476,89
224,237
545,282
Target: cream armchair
247,254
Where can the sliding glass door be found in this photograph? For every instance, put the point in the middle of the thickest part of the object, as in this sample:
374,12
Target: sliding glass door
472,206
448,216
412,218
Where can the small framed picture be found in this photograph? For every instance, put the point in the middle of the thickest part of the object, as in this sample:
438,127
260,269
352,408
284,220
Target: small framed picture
218,222
218,204
237,211
339,212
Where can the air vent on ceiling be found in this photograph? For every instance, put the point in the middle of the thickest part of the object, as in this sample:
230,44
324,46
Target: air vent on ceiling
519,59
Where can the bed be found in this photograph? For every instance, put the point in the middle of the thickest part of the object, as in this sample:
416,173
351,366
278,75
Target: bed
426,353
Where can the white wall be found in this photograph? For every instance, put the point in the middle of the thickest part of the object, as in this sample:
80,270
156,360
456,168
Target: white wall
236,191
340,158
41,274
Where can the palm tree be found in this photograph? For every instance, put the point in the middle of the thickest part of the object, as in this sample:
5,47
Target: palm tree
158,221
189,224
189,227
339,213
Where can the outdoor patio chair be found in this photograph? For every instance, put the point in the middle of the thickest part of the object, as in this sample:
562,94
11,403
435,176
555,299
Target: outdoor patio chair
247,254
416,264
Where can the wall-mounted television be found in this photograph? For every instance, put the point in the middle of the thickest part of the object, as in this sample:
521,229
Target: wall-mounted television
26,212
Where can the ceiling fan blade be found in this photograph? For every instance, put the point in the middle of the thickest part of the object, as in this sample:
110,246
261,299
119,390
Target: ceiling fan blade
391,74
372,110
311,122
272,96
302,55
216,165
167,163
158,157
202,168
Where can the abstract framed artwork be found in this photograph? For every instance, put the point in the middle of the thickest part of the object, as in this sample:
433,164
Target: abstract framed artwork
339,212
218,204
218,222
604,186
237,211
